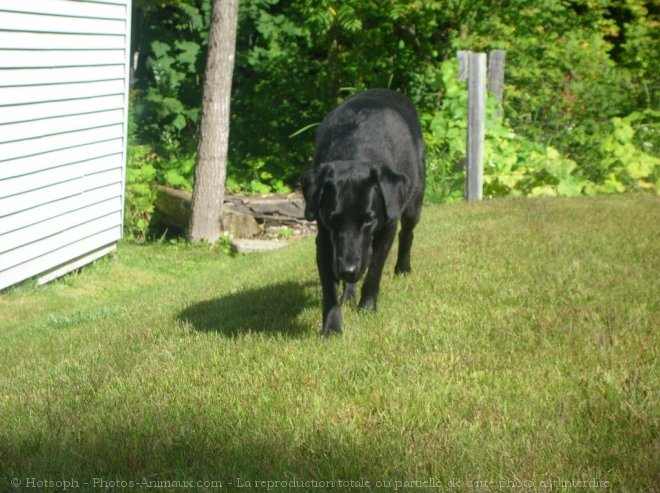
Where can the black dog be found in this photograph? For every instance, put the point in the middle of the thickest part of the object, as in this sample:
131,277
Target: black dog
368,173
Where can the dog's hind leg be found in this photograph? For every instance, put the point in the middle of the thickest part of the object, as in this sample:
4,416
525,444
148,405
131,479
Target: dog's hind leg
409,220
382,244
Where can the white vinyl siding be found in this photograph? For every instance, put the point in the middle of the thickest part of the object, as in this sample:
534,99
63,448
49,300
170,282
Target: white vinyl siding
64,68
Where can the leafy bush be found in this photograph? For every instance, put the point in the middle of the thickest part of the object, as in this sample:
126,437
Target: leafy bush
516,165
577,73
624,165
169,75
140,194
253,177
177,172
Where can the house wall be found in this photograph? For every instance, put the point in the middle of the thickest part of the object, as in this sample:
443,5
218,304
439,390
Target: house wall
64,70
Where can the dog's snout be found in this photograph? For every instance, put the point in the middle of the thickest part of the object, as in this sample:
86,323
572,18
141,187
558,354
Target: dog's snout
349,270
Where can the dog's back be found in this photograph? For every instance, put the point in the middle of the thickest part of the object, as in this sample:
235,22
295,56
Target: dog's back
378,126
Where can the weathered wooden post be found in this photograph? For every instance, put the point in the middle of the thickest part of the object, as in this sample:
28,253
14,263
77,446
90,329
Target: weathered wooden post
476,126
472,66
496,76
462,57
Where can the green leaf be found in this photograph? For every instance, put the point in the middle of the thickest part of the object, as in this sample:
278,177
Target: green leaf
173,178
640,167
188,52
159,48
258,187
179,122
544,191
172,105
304,129
570,187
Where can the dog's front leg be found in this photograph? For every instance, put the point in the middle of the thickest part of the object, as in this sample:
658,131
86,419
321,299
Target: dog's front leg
329,283
382,244
348,296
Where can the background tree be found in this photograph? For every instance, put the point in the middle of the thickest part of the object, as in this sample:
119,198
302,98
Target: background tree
210,172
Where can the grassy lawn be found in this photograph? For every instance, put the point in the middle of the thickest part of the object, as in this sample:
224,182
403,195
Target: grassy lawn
522,350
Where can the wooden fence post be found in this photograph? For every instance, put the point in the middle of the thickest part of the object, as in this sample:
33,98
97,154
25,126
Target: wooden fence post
462,57
496,76
476,126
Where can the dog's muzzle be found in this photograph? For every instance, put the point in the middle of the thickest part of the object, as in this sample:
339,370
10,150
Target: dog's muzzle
349,272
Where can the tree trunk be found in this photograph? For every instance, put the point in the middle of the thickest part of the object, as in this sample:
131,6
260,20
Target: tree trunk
208,193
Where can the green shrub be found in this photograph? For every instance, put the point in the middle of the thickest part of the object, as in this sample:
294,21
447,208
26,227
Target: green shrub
170,74
516,165
624,165
253,176
140,194
575,73
177,172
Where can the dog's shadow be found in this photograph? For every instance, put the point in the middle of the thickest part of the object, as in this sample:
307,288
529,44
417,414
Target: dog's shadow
272,309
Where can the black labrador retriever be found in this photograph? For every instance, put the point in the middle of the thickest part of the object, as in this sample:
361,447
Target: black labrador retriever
368,173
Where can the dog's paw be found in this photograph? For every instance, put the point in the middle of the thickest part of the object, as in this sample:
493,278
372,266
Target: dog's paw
368,303
332,322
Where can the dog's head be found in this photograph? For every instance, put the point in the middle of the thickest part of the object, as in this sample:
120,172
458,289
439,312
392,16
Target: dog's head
353,200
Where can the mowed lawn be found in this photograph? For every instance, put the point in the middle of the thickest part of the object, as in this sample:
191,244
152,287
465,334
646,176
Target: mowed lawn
520,355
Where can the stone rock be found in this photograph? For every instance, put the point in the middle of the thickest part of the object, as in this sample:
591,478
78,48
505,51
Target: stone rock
244,217
251,246
240,225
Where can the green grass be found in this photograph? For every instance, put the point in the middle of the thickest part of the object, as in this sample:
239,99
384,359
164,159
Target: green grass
522,349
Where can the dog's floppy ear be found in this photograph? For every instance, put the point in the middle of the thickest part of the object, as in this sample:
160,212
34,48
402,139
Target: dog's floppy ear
312,183
394,187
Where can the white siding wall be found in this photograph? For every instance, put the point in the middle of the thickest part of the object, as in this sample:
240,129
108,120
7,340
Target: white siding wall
64,68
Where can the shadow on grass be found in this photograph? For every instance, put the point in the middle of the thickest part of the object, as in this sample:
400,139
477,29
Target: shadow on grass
151,456
272,309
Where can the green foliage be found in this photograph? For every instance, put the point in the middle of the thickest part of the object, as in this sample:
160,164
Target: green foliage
170,76
517,165
254,177
140,194
623,160
224,243
576,72
445,138
178,172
